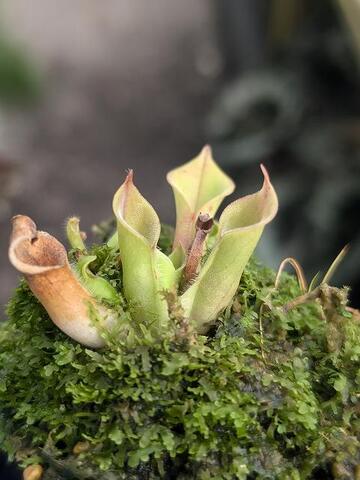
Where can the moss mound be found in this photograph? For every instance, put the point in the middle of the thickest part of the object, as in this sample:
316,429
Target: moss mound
267,395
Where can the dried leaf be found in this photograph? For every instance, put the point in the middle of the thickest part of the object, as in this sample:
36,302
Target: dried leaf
43,261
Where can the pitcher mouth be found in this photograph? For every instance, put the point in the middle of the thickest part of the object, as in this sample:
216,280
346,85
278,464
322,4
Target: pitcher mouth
33,252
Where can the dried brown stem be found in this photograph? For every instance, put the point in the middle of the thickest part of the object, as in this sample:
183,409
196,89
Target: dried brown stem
299,273
203,227
306,298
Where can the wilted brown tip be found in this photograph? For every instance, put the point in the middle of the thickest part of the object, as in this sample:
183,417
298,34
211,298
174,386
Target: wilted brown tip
204,222
265,172
206,150
129,176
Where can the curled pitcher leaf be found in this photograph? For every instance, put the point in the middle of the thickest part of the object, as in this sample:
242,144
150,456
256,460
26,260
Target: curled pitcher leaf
146,270
170,268
240,227
199,186
96,285
74,235
43,261
113,241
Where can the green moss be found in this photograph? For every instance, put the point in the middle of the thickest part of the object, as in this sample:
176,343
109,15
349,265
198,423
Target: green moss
267,395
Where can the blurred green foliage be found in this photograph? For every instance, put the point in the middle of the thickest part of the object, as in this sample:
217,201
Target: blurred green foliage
19,81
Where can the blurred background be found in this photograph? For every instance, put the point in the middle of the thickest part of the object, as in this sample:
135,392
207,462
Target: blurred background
89,89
